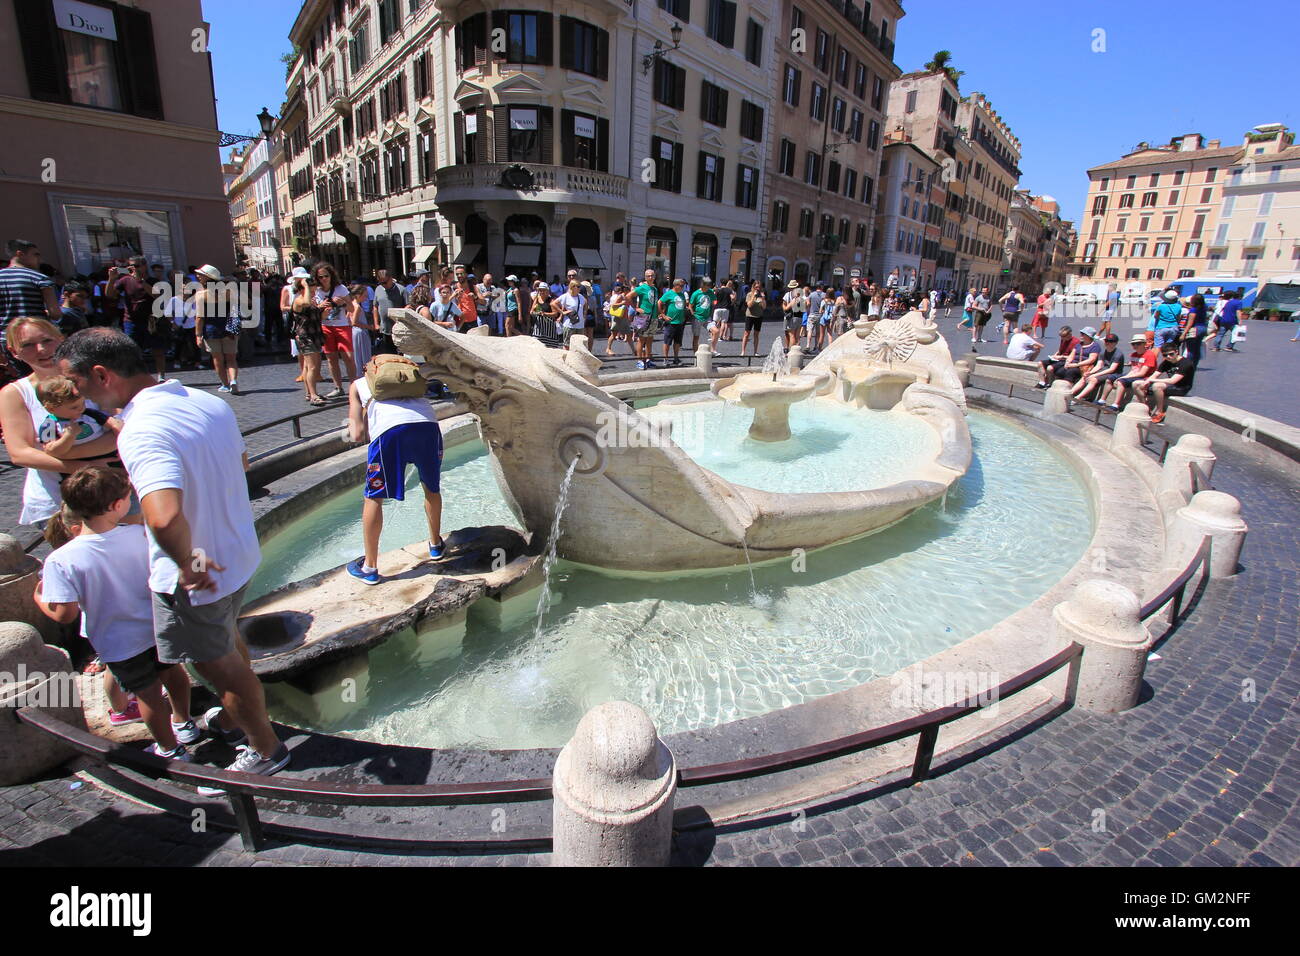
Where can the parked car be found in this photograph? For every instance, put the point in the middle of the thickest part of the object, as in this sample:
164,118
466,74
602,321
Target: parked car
1081,295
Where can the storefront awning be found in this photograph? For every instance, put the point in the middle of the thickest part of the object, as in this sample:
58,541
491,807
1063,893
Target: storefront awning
467,254
423,253
1280,296
523,255
589,259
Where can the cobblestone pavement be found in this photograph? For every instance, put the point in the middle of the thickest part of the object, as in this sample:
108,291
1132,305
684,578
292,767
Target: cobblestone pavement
1197,774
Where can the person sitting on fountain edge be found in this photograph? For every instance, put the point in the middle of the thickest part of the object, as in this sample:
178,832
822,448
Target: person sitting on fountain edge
402,430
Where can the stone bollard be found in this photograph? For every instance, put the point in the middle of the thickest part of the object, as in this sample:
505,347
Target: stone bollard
1104,616
614,786
965,368
704,358
33,674
795,357
1056,400
1216,514
19,573
1176,475
1129,426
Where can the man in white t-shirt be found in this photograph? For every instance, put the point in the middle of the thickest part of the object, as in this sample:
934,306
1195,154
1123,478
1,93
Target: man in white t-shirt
184,454
402,432
1024,347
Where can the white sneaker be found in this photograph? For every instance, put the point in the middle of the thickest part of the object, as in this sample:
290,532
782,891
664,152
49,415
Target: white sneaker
186,733
250,761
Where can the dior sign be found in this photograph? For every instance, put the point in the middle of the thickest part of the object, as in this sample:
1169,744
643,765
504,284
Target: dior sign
84,18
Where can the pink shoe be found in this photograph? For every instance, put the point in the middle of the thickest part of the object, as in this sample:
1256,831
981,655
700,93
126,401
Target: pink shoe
129,716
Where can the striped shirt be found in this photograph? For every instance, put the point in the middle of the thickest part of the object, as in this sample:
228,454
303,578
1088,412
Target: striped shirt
20,294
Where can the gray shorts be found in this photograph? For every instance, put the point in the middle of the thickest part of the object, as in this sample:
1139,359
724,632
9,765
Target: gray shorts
195,633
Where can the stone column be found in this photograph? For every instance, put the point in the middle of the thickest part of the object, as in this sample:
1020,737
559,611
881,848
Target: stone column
33,674
1177,473
1056,400
1216,514
19,573
1129,425
704,358
614,787
1104,616
964,369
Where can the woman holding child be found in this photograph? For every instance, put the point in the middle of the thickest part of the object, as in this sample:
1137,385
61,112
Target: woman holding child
21,415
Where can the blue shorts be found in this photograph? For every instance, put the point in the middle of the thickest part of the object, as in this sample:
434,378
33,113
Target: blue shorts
414,443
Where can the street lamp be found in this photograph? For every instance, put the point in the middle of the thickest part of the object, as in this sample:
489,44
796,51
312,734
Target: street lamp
264,119
660,51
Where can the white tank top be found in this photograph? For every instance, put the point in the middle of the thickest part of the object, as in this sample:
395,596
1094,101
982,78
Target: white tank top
381,416
41,497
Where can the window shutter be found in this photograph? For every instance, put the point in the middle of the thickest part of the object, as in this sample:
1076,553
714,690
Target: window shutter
546,38
798,82
502,134
740,182
677,167
679,88
699,178
602,54
566,125
487,146
135,42
722,107
546,118
458,127
566,43
728,25
39,38
684,10
704,99
478,36
602,145
718,171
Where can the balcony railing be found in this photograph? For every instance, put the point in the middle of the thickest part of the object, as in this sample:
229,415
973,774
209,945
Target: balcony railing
546,179
336,97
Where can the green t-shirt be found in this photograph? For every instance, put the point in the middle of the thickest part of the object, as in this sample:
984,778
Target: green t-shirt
702,304
647,295
674,306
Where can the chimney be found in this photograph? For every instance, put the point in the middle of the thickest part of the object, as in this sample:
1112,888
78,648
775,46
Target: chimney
1213,144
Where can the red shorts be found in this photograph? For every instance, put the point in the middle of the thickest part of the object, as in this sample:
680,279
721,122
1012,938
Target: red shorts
338,338
1040,319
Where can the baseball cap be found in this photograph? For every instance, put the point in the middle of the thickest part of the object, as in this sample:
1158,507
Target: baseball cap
1171,295
512,278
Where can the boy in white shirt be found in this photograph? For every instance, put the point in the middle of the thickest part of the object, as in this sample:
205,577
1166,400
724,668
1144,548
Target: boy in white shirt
102,574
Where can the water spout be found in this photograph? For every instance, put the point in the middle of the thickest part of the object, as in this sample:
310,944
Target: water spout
552,547
777,362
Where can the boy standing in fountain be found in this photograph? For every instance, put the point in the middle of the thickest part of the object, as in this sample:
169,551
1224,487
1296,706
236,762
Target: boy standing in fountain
402,431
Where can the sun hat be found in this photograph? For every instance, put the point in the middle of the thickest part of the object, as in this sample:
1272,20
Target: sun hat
212,272
1171,295
300,273
1137,337
793,284
1089,331
512,278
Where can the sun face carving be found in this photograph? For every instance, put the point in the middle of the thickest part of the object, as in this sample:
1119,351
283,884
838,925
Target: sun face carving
891,341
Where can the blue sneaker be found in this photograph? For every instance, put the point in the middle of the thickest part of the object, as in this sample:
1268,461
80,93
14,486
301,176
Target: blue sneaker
640,365
223,388
436,550
356,569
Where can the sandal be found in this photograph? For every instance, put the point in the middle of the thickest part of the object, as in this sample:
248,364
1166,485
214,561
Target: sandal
316,401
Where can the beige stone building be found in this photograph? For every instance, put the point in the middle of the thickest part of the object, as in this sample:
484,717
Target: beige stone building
991,181
1258,232
823,156
1151,215
110,134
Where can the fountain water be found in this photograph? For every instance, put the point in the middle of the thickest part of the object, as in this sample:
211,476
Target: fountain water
552,546
777,362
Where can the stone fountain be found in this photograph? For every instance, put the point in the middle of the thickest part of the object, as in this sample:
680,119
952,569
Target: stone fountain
541,413
770,393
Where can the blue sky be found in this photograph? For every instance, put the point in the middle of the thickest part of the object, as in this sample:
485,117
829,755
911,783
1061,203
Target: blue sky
1167,68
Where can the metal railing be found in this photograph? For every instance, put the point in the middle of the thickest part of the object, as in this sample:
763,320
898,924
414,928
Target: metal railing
1176,588
241,788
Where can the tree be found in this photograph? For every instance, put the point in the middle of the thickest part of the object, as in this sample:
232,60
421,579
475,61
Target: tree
941,61
289,59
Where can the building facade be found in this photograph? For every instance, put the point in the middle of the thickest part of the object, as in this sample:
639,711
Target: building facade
990,181
111,134
833,66
907,177
1152,215
605,136
1258,232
